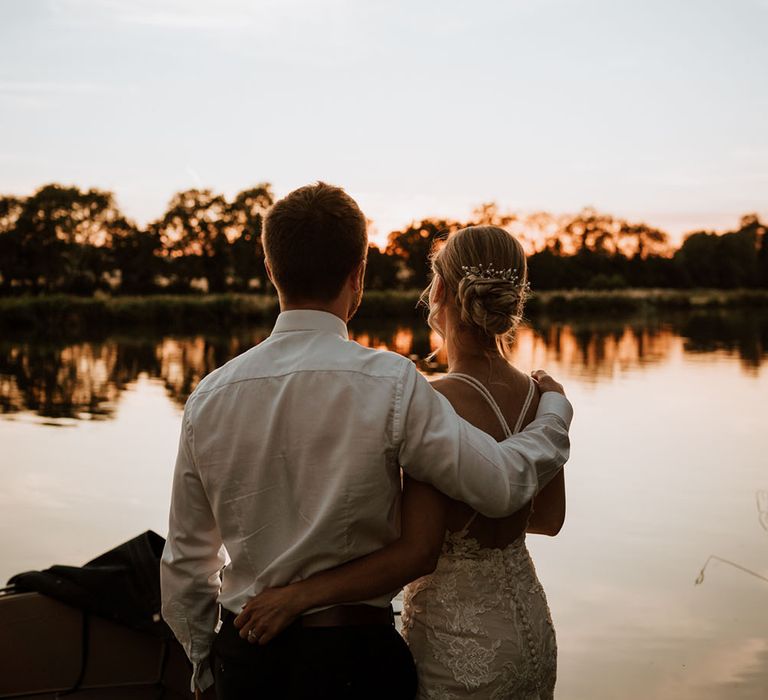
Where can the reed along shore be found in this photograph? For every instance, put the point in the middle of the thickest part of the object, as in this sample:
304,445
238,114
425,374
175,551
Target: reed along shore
60,313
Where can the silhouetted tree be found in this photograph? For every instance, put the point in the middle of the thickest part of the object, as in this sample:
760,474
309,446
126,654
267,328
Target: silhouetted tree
725,261
193,234
136,257
596,251
63,236
738,259
489,214
10,210
381,270
590,231
245,218
697,259
548,270
414,245
641,240
751,225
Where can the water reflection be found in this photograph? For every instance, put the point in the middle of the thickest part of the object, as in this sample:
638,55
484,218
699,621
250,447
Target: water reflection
745,333
84,379
78,380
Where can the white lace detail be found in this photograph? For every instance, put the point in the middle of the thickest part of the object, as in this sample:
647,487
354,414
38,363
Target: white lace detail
480,626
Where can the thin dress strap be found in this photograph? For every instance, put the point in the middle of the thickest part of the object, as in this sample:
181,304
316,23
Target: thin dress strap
467,379
526,405
467,525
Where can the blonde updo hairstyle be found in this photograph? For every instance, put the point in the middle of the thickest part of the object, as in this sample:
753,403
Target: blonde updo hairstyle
489,304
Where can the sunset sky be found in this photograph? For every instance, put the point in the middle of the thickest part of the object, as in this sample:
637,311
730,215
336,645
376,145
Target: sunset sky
650,110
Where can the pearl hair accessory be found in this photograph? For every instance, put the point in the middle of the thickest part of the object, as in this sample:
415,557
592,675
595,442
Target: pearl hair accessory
488,272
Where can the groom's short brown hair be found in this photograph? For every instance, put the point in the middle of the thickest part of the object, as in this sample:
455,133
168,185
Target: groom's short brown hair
313,238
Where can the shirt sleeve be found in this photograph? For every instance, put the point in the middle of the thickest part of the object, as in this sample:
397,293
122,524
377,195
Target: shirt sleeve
495,478
191,564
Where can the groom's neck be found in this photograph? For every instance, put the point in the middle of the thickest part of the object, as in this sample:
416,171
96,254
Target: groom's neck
338,307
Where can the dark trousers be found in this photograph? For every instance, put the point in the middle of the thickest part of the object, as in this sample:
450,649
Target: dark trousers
355,662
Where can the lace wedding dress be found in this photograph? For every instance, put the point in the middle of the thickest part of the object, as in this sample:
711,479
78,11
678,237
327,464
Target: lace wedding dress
479,626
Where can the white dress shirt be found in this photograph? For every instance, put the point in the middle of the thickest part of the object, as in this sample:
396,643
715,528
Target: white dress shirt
289,462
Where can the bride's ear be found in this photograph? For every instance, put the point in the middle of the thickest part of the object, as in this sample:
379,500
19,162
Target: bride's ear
437,291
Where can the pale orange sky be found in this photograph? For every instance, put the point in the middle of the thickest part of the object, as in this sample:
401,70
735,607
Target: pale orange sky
651,111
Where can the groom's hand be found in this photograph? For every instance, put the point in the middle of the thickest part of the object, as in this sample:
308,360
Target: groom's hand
546,383
267,614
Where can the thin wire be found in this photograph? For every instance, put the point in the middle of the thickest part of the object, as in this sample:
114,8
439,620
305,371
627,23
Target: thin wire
762,508
700,577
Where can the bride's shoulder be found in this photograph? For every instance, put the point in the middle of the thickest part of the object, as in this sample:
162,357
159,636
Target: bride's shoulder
521,381
443,385
449,387
458,393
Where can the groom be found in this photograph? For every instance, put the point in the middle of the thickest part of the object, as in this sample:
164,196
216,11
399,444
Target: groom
290,458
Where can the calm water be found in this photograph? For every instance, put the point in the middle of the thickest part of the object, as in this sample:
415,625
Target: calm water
669,467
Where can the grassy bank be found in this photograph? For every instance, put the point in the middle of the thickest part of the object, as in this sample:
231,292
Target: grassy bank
70,314
631,301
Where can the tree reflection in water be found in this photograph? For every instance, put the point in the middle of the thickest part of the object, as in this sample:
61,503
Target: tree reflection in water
84,378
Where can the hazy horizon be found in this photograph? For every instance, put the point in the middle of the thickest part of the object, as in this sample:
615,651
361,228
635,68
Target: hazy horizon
649,111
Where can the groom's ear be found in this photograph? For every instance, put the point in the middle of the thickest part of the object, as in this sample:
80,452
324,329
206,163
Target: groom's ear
358,276
268,268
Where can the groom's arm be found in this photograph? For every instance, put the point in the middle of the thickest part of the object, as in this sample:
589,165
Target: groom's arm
495,478
191,563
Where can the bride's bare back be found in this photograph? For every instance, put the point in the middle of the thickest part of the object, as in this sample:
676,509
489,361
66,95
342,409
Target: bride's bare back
509,387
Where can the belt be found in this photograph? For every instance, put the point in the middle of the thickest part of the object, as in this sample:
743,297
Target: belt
340,616
346,615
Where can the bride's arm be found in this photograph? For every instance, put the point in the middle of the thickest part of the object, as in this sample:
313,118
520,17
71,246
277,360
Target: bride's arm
548,513
414,554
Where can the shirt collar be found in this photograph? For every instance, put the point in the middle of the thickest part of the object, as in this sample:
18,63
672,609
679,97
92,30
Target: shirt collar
310,320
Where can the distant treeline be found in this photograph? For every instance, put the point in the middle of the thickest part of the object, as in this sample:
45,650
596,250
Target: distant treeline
66,240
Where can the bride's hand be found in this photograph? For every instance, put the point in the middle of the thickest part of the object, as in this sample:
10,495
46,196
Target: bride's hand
267,614
546,383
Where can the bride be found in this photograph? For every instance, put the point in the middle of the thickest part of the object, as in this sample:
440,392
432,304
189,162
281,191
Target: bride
475,615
